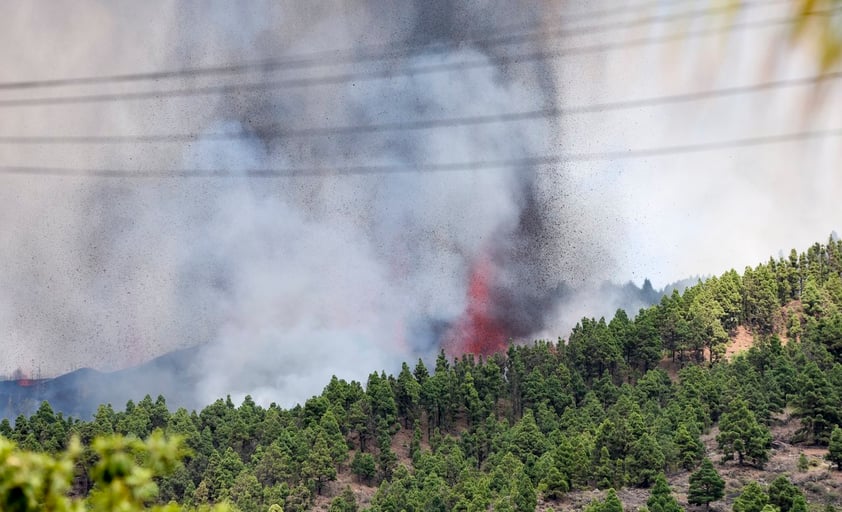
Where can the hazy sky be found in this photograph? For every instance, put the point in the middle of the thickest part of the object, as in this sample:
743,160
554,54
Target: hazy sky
127,269
704,213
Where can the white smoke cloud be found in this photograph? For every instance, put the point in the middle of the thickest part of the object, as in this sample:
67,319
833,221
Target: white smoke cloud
332,275
288,281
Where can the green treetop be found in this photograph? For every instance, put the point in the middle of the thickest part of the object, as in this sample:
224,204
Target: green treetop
706,485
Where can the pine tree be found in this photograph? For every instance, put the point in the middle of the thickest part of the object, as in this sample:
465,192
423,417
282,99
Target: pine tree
689,448
752,499
386,458
612,502
645,461
817,403
358,418
337,446
706,485
581,469
299,499
803,463
364,467
415,444
275,465
603,471
202,494
783,494
811,298
319,466
799,504
382,399
345,502
553,485
524,493
528,443
246,492
740,432
473,404
408,395
834,449
661,499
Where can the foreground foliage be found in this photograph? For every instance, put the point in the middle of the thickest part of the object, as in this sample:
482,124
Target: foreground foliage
123,476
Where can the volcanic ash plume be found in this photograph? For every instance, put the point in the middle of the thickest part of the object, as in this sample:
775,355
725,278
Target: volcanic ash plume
290,280
343,274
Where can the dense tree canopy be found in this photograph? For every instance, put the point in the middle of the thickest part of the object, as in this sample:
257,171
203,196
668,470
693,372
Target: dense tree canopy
536,422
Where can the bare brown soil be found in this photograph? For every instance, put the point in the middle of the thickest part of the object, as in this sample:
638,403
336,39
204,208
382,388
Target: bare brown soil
741,341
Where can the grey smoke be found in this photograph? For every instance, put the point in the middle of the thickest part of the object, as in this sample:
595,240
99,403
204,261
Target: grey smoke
284,281
287,281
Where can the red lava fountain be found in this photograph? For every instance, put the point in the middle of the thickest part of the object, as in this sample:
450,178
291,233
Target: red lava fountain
477,331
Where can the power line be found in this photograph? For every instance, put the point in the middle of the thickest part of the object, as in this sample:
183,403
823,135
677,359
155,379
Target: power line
379,75
529,162
368,53
430,123
289,133
268,85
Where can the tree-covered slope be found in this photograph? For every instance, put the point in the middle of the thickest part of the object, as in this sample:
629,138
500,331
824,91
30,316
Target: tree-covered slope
541,425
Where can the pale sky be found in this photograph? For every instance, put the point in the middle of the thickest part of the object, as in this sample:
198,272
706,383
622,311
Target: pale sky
704,213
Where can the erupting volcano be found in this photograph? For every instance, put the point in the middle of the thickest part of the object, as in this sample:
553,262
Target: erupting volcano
478,330
287,282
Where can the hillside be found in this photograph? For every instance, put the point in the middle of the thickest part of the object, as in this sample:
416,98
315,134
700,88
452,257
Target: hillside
751,400
177,374
79,393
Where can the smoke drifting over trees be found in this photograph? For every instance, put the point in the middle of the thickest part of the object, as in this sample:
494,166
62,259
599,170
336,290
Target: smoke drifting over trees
289,280
337,272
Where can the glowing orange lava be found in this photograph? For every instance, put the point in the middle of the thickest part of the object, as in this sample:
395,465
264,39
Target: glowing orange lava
477,331
22,379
